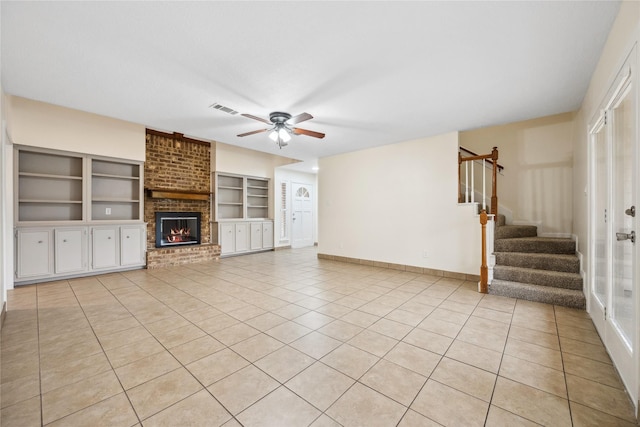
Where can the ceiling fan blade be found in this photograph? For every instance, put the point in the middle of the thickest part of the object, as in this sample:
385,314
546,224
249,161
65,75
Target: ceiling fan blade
299,118
299,131
253,132
260,119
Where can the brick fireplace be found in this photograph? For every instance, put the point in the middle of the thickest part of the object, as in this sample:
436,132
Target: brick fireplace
177,178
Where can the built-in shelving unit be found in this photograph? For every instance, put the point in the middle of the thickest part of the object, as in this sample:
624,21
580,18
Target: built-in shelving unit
50,187
242,214
229,196
116,190
60,199
257,198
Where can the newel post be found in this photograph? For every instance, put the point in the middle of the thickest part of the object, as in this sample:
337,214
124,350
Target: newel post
494,184
483,286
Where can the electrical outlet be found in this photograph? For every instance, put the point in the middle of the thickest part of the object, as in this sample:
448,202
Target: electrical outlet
107,211
425,254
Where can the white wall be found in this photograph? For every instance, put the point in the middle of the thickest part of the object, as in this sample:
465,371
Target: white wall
537,155
286,176
44,125
396,202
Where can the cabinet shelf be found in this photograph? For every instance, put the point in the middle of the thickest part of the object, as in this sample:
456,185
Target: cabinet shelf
230,204
115,200
226,187
43,201
106,175
48,176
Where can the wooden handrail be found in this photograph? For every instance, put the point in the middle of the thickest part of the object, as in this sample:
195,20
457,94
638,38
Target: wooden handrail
500,167
494,176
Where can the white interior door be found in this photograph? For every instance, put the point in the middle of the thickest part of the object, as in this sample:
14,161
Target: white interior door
302,216
621,319
614,301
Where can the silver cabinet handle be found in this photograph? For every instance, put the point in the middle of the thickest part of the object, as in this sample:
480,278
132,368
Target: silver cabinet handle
64,240
631,211
109,238
624,236
39,241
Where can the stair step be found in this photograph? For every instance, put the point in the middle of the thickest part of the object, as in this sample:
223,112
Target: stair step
554,262
538,277
548,245
530,292
502,220
511,231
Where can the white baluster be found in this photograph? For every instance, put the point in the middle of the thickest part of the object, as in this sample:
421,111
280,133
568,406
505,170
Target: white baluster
484,189
466,182
473,187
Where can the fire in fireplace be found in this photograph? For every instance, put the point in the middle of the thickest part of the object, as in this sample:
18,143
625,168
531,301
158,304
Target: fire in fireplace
177,228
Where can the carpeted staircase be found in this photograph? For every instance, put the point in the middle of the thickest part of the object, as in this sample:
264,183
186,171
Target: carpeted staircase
535,268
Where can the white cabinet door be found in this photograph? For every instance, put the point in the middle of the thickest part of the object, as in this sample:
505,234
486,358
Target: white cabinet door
242,237
227,238
256,235
70,250
132,245
267,235
104,247
35,252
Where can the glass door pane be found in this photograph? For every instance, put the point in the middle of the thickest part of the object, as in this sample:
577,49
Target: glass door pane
601,196
623,250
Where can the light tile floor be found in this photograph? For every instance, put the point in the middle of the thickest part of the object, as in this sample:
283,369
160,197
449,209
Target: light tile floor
284,339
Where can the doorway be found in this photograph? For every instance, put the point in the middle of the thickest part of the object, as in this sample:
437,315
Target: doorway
302,215
613,296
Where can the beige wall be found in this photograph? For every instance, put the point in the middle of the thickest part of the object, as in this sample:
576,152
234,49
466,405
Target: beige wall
397,203
536,183
44,125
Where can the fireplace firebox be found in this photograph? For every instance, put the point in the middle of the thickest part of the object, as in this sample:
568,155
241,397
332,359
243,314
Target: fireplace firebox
177,228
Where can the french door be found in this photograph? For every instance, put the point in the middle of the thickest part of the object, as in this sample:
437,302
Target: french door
613,301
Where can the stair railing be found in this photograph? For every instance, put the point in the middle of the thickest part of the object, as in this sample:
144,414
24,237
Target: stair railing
469,161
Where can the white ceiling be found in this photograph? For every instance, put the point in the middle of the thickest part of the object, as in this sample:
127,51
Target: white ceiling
371,73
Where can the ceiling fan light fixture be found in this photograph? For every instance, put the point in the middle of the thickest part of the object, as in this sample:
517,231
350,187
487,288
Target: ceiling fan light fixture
283,134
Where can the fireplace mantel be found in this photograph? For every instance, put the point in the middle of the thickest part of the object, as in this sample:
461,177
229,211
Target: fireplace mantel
164,193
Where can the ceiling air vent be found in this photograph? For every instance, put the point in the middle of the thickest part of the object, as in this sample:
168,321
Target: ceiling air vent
223,109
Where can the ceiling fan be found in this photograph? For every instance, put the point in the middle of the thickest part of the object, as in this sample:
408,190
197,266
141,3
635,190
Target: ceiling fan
281,129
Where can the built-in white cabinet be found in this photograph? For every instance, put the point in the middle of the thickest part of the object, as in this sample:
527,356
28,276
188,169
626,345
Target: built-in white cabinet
104,247
57,252
267,234
132,245
245,236
76,214
70,254
34,252
118,246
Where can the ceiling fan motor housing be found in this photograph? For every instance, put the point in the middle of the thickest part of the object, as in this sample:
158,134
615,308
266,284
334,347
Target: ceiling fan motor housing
279,117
